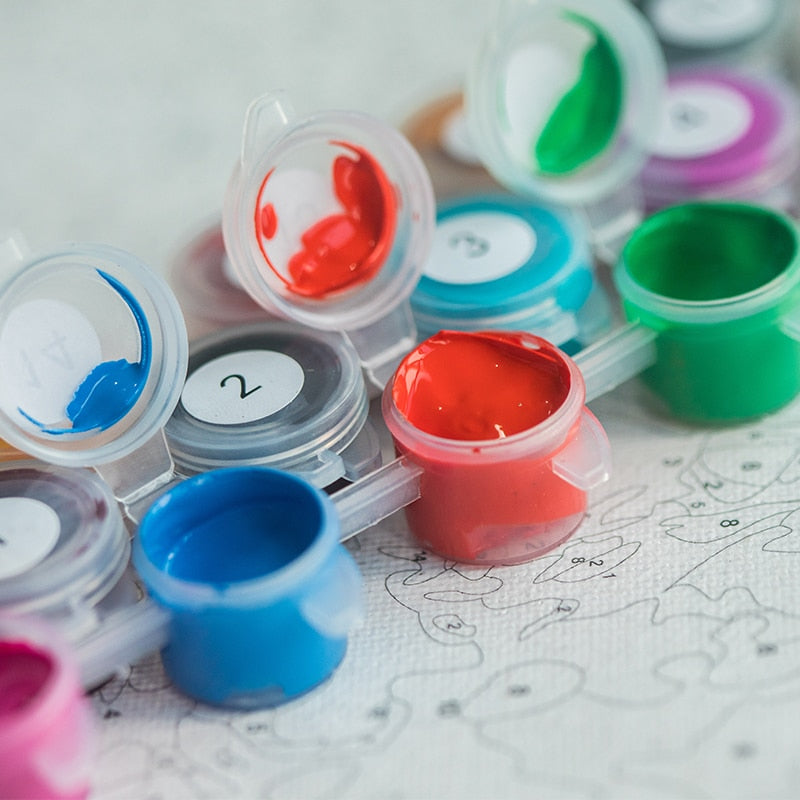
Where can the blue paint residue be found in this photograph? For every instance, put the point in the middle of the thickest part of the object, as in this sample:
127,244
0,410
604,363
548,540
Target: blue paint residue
110,390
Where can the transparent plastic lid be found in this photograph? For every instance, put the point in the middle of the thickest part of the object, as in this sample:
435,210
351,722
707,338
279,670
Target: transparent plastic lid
275,393
328,218
562,99
503,262
63,546
92,355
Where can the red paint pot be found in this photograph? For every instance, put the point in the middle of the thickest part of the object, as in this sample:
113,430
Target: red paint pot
506,448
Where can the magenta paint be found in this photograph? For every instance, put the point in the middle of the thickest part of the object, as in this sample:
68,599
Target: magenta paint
46,725
750,148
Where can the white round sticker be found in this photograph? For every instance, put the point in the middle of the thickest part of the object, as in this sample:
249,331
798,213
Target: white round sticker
48,347
700,119
29,532
456,141
479,246
710,23
242,387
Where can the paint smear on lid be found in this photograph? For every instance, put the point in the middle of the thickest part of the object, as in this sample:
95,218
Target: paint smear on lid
564,97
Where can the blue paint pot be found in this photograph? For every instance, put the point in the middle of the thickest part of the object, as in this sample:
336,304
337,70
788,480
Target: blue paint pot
500,262
259,591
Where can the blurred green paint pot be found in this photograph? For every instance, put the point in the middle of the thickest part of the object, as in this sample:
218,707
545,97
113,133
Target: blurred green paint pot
719,283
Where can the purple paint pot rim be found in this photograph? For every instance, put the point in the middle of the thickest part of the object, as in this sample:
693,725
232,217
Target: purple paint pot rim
58,692
764,148
217,487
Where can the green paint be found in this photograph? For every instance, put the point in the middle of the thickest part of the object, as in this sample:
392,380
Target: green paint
587,116
704,255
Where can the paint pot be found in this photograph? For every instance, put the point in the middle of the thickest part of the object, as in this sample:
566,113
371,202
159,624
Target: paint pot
562,103
64,549
438,131
259,592
504,263
9,453
47,736
276,394
327,221
207,289
503,474
746,34
725,135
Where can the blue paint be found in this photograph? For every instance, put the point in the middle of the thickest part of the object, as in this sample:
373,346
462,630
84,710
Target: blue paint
556,280
246,559
110,390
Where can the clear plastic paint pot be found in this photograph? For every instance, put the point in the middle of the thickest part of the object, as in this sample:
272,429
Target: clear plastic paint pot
504,263
740,33
562,103
327,221
718,285
9,453
495,423
259,593
277,394
92,355
47,736
438,131
725,135
64,550
206,287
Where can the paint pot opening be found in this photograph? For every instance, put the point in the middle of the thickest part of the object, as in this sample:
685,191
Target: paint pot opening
24,674
480,386
232,525
702,252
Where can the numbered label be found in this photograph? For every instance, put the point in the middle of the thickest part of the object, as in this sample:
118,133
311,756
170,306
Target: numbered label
710,23
29,533
700,119
479,247
242,387
47,348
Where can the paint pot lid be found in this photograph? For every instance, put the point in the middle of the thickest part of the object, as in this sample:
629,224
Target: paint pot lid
276,394
93,352
722,132
691,26
298,179
499,261
63,547
563,96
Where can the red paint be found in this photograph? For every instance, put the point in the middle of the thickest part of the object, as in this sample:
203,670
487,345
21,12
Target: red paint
23,673
346,249
469,387
488,500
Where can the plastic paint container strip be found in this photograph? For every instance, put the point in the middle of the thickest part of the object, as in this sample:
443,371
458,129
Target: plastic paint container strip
208,292
47,738
327,220
276,394
712,294
726,135
563,96
64,549
504,263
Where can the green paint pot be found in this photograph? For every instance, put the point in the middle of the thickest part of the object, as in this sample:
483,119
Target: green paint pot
719,286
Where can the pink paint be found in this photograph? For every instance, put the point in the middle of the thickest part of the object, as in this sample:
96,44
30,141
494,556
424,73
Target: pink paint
24,673
488,498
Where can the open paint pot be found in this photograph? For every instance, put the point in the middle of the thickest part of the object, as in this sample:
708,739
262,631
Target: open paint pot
505,263
64,550
747,34
275,394
712,294
496,450
47,736
327,221
562,103
207,288
727,136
